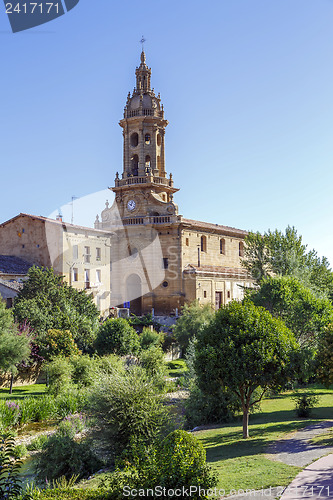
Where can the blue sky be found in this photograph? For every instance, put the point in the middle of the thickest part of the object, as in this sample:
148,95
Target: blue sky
247,90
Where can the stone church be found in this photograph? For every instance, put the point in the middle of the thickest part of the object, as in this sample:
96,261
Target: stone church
141,253
159,259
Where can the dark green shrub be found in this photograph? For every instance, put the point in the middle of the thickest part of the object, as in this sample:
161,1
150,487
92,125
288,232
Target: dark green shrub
116,336
61,455
181,462
153,362
129,407
149,338
59,372
305,403
210,407
176,462
84,370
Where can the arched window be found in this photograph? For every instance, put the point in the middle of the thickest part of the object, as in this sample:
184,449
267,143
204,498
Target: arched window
241,249
147,138
203,243
147,162
134,140
222,246
134,165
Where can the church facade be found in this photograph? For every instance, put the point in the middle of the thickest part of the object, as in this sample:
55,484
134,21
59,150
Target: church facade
141,254
159,259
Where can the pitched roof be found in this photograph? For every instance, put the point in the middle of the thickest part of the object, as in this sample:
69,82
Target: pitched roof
13,285
9,264
53,221
232,231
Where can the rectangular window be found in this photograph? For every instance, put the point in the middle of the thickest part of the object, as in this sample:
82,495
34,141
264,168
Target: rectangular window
165,263
187,242
205,294
75,252
75,274
98,276
98,254
86,255
86,279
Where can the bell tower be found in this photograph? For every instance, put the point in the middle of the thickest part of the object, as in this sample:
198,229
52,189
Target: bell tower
143,190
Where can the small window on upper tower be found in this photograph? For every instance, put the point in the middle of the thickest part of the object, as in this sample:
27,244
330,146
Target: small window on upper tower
203,244
241,249
134,140
222,246
147,138
187,242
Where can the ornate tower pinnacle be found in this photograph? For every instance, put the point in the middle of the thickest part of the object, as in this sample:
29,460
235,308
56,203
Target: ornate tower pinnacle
143,128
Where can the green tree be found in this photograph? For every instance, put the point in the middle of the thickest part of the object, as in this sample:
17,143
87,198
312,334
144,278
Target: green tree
46,302
193,319
247,351
14,346
58,343
116,336
302,311
283,254
325,356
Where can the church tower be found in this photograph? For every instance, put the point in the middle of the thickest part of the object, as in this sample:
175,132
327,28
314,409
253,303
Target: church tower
144,192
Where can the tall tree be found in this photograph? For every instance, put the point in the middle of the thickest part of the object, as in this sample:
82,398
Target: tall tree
278,253
287,298
14,345
247,351
46,302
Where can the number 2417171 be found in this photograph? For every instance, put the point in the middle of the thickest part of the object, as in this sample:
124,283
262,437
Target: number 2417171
32,8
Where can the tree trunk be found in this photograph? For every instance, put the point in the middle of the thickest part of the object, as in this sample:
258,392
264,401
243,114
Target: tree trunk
11,383
245,423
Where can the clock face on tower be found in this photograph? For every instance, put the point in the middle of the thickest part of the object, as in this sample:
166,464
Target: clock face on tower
131,205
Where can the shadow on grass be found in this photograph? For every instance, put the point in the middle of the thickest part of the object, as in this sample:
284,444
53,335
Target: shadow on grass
232,445
21,392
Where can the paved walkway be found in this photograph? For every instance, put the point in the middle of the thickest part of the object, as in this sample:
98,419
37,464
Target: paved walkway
314,482
295,448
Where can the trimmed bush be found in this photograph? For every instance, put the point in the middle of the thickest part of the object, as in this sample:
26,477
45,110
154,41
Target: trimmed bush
116,336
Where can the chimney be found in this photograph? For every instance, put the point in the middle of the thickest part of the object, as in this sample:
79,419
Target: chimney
59,217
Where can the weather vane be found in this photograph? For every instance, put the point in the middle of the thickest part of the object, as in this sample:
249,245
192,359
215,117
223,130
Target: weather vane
142,41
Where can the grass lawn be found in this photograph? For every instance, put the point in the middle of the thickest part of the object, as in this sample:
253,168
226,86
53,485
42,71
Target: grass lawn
23,391
242,464
176,368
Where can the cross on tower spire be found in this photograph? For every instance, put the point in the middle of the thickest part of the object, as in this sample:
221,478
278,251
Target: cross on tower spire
142,41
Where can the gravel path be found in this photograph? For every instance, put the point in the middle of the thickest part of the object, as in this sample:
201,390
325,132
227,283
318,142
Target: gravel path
295,448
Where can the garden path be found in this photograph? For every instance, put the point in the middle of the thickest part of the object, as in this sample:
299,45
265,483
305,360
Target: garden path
296,448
